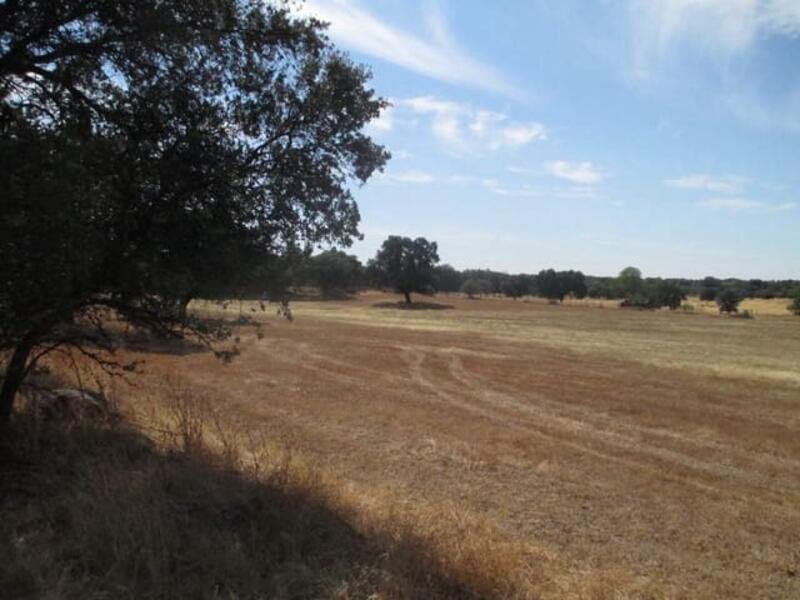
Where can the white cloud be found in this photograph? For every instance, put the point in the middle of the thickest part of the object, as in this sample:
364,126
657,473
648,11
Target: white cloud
744,204
493,186
717,27
418,177
464,128
435,55
573,192
731,184
411,176
384,122
782,113
585,173
520,135
782,16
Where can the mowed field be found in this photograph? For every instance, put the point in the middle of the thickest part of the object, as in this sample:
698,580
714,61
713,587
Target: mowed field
642,454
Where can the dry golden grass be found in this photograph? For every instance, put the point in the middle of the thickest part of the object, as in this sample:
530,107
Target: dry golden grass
493,449
756,306
178,499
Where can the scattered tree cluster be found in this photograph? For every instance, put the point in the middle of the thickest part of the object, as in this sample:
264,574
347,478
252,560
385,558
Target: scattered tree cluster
637,292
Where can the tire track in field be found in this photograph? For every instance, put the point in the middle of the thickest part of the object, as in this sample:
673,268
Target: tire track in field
586,413
416,359
544,407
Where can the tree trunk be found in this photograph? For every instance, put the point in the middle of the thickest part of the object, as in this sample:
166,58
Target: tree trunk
408,297
15,372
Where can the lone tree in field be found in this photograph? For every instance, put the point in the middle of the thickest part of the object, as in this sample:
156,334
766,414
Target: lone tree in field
149,149
728,301
629,282
406,265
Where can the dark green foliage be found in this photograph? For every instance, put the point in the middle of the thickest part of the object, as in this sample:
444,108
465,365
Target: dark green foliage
496,279
728,301
794,306
647,293
516,286
151,151
555,285
334,272
447,279
406,265
573,283
630,283
708,294
669,294
472,288
549,285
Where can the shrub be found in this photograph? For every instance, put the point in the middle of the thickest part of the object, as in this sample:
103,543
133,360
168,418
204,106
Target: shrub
708,294
794,307
728,301
669,294
471,287
656,295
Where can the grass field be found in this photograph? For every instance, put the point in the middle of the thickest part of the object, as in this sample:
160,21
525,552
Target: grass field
653,451
570,451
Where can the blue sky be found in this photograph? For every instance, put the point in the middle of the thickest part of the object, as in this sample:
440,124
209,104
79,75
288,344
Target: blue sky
585,134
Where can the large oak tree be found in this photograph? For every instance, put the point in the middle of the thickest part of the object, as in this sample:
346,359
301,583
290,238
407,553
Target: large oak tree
152,149
406,265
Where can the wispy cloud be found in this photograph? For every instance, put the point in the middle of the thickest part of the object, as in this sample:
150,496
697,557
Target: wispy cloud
464,128
384,122
718,27
492,185
411,176
435,55
781,113
730,184
738,204
418,177
585,173
669,37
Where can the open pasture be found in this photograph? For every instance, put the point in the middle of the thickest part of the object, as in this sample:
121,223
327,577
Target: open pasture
646,454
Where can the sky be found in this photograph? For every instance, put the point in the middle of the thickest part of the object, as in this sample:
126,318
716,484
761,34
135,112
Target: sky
579,134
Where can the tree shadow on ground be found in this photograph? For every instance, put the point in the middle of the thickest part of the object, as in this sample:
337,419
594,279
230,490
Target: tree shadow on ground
141,340
144,341
413,306
100,512
330,296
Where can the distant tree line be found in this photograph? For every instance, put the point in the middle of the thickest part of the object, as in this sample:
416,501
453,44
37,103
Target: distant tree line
411,266
707,288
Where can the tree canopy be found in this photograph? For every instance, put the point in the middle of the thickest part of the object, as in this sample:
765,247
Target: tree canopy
406,265
149,149
728,301
334,271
